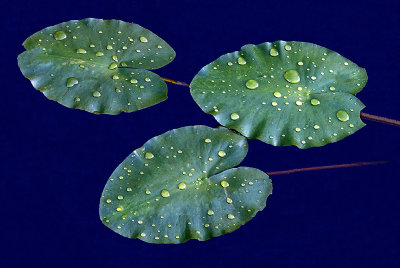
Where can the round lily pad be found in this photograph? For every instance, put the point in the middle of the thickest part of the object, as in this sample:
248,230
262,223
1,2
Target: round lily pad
283,93
100,66
182,185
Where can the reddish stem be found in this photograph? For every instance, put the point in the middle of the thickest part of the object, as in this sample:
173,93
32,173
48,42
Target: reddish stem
379,119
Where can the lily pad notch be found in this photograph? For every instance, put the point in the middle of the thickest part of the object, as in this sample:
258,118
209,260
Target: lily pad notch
77,63
184,185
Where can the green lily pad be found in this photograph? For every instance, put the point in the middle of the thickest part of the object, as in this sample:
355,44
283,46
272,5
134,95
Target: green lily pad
283,93
182,185
80,64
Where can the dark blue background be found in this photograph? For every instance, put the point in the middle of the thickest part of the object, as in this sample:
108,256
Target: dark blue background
55,161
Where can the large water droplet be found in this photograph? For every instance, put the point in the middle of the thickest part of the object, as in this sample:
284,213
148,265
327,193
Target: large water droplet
72,81
59,35
148,155
292,76
315,102
342,115
224,184
96,94
277,94
273,52
252,84
221,154
234,116
231,216
81,51
113,66
241,61
143,39
99,54
210,212
182,186
165,193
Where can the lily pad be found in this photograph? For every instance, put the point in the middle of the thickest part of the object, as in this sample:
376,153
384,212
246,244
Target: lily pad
182,185
100,66
283,93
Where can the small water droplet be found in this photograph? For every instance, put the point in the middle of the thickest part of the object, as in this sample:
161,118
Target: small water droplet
120,197
316,127
221,153
292,76
210,212
207,140
342,115
273,52
229,200
59,35
99,54
182,186
274,103
277,94
241,61
108,201
300,63
224,184
81,51
313,78
165,193
288,47
115,77
252,84
148,191
113,66
109,47
72,81
234,116
134,81
148,155
147,79
142,234
77,99
297,129
231,216
299,103
96,94
332,88
143,39
315,102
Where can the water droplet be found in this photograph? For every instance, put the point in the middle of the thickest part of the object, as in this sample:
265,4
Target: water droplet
299,103
229,200
297,129
96,94
224,184
207,140
115,58
221,153
109,47
315,102
147,79
134,81
182,186
316,127
277,94
77,99
99,54
59,35
81,51
115,77
120,209
273,52
252,84
210,212
231,216
113,66
165,193
129,189
120,197
108,201
234,116
72,81
288,47
148,191
241,61
332,88
292,76
274,103
313,78
300,63
142,234
143,39
342,115
148,155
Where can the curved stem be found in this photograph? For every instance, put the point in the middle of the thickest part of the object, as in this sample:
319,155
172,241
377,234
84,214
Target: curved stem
358,164
175,82
379,119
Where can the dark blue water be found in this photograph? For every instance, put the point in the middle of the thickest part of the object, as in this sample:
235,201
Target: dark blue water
55,161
